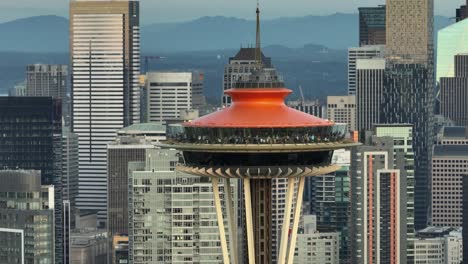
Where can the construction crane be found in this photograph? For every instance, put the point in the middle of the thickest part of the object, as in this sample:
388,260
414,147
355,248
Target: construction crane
150,58
302,95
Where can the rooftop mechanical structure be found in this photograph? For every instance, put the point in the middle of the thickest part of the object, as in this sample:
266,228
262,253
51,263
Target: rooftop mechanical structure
255,140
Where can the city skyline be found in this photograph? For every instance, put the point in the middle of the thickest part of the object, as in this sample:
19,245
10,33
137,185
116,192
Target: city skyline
163,12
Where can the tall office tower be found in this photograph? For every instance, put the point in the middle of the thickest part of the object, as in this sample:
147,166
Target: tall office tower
119,153
451,40
369,92
172,214
46,80
315,247
31,129
378,203
342,109
408,98
462,12
329,201
105,59
354,54
70,166
450,156
439,245
27,222
372,25
409,29
454,93
171,92
242,64
314,108
465,215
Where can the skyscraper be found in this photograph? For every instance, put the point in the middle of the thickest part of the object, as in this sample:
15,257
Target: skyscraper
454,93
31,129
172,214
119,154
354,54
342,109
171,92
450,156
409,86
241,65
409,29
27,222
378,202
372,25
46,80
451,40
105,58
369,92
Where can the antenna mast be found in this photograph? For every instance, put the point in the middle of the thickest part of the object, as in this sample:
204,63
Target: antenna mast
258,51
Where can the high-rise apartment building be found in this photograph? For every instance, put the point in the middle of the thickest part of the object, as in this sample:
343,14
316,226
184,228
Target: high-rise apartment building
451,40
119,154
372,25
354,54
172,215
46,80
70,167
31,129
450,156
408,98
240,66
378,202
342,109
329,201
27,218
454,93
105,68
168,93
369,92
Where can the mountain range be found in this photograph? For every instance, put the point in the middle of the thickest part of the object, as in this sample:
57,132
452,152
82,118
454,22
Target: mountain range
337,31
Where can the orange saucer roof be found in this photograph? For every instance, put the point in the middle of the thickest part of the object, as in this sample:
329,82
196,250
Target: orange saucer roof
258,108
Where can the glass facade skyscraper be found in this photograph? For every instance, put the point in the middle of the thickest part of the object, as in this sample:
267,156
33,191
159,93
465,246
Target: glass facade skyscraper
372,25
451,41
31,129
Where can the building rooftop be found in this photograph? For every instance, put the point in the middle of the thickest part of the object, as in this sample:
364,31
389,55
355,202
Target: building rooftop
460,151
156,127
455,132
247,54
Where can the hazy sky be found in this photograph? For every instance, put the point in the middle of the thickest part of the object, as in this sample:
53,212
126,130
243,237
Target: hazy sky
180,10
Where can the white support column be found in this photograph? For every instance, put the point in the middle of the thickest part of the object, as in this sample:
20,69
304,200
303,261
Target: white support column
249,220
297,216
286,222
231,221
219,215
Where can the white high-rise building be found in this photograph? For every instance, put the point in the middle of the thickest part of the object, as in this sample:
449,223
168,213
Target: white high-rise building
105,68
168,93
369,92
364,52
342,109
